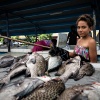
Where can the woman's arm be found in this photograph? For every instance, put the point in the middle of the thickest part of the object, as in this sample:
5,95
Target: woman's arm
92,51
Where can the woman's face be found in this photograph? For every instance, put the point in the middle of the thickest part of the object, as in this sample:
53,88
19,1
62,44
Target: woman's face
83,29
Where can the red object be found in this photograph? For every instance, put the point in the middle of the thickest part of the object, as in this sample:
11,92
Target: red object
39,48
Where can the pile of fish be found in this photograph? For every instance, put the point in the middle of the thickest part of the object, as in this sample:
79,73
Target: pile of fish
48,91
70,67
19,88
25,77
73,68
81,92
33,64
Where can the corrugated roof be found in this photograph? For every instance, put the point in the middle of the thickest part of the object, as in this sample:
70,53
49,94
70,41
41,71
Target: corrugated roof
42,16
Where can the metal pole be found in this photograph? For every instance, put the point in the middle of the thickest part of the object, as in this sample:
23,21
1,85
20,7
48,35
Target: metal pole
98,12
99,38
94,29
7,22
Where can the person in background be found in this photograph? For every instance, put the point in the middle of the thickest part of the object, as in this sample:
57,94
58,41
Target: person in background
72,36
47,43
86,45
5,41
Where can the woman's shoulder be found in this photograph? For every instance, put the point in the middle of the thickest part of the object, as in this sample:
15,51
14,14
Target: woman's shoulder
92,43
91,40
78,40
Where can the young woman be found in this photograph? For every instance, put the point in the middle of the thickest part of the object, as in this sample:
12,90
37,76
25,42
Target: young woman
86,45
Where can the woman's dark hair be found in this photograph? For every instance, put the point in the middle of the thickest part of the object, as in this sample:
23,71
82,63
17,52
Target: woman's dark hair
87,18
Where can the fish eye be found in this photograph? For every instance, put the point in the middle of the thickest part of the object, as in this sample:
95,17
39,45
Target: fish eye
33,61
2,62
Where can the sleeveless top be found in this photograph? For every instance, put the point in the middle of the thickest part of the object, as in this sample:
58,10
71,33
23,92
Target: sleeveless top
82,52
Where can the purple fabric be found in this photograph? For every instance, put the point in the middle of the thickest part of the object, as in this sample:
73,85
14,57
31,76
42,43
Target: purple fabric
39,48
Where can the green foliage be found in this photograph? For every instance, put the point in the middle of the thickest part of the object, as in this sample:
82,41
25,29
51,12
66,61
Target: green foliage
32,39
45,36
1,40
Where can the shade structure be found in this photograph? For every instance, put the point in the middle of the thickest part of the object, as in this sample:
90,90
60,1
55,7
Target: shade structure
44,16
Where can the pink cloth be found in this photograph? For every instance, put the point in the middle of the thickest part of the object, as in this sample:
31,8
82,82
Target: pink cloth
40,48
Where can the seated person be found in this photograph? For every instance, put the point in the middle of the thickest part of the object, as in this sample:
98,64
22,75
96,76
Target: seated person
47,43
86,45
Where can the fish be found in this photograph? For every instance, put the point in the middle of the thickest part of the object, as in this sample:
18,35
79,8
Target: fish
22,57
72,92
33,84
86,69
6,61
62,68
36,65
92,93
48,91
19,88
17,67
88,92
20,60
54,63
81,92
57,51
71,68
13,73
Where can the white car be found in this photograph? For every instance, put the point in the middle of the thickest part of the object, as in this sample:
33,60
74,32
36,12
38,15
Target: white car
17,43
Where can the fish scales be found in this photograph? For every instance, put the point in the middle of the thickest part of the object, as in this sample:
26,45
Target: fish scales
86,70
36,65
71,68
71,92
49,91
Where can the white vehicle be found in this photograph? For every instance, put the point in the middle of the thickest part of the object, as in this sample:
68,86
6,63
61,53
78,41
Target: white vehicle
17,43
